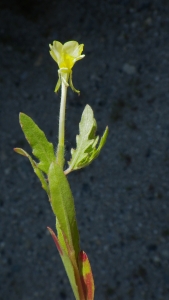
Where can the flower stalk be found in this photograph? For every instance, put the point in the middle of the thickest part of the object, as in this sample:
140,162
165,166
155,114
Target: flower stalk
61,133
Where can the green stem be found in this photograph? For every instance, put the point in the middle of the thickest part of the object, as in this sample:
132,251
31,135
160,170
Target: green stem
61,138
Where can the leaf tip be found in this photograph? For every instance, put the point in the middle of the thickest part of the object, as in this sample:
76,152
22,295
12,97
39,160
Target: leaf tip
82,256
20,151
21,114
55,240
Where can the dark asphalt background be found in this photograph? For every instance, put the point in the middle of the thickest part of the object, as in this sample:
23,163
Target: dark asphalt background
122,199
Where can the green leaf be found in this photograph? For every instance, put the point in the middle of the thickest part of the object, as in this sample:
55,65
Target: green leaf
37,171
70,273
63,205
42,149
67,264
87,149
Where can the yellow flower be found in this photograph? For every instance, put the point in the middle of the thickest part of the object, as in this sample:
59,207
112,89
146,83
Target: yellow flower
65,56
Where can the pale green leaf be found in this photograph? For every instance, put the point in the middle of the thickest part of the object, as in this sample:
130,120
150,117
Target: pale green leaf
67,264
63,205
87,148
70,273
41,148
37,171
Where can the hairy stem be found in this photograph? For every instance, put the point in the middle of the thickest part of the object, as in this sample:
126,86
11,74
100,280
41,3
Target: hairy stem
61,137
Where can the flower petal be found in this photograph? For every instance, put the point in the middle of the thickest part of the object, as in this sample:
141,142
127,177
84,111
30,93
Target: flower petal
72,48
81,48
56,51
78,58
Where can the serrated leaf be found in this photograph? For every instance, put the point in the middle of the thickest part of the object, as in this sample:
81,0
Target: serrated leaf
37,171
63,205
41,148
96,152
86,150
